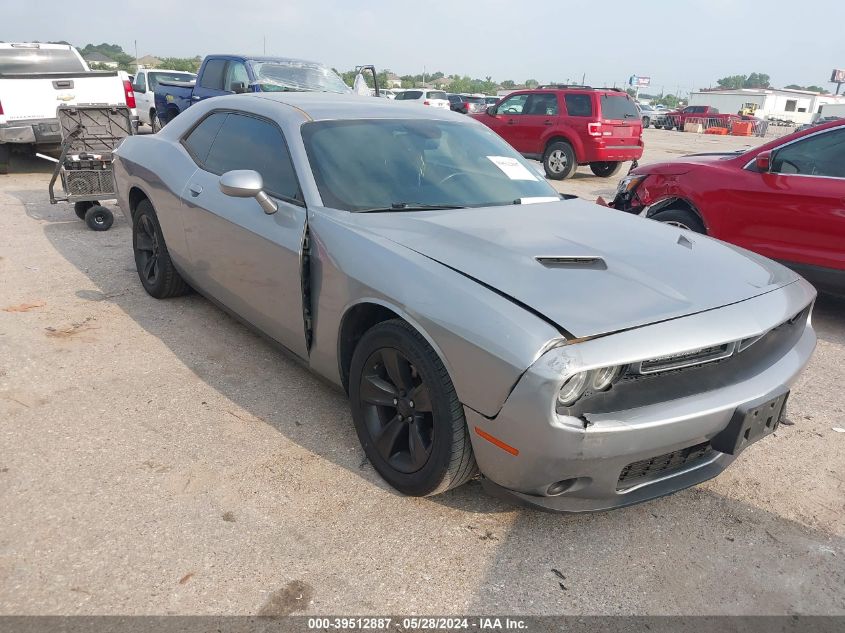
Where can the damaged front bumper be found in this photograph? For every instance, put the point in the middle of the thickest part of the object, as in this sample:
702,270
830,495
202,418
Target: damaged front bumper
581,463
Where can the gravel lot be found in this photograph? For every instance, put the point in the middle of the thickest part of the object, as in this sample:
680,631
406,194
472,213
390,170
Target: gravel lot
159,458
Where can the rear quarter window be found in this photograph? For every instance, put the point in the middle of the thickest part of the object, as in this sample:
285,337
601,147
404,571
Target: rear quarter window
579,105
212,74
617,107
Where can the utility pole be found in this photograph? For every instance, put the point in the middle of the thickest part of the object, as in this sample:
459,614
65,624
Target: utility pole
265,44
136,55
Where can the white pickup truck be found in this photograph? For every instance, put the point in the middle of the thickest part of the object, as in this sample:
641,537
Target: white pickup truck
37,78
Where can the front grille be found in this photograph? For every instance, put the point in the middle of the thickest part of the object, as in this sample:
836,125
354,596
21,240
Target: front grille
646,469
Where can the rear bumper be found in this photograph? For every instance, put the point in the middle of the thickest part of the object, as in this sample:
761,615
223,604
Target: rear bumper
591,452
608,150
35,131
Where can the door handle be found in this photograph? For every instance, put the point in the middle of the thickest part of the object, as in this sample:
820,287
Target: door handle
195,97
195,190
548,123
511,122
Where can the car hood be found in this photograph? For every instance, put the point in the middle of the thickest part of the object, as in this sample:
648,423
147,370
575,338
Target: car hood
687,163
604,270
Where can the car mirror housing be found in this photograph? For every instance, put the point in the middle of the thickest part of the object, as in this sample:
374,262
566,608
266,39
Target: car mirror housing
238,87
764,161
246,183
492,110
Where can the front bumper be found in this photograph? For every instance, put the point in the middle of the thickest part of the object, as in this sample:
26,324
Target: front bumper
593,450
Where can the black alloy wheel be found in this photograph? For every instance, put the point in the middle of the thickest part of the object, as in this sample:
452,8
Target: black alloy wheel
147,250
156,271
397,410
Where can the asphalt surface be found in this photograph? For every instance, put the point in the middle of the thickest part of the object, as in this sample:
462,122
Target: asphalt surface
156,457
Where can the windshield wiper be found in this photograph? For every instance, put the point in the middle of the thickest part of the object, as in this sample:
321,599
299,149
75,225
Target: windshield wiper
410,206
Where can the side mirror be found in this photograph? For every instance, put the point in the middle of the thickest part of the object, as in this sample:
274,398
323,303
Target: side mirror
238,87
763,162
246,183
492,110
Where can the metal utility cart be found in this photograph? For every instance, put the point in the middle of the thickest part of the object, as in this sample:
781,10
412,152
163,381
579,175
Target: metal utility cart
90,134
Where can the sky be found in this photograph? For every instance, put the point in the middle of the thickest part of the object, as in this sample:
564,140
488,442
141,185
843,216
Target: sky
678,44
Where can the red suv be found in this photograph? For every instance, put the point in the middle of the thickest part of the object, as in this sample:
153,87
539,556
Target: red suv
567,126
784,200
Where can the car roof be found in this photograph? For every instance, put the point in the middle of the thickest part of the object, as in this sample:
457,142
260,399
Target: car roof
320,106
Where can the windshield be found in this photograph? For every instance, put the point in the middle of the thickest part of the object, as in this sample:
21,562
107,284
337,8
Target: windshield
39,60
157,77
296,75
378,164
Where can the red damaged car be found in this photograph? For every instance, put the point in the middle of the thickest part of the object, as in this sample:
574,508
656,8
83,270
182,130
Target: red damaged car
784,200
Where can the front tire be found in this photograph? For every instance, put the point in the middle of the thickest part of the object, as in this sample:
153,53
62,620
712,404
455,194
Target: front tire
559,161
5,158
154,124
152,260
682,218
646,122
407,415
605,169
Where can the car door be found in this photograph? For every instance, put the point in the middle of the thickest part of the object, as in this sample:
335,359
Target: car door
506,119
242,257
540,113
143,101
796,211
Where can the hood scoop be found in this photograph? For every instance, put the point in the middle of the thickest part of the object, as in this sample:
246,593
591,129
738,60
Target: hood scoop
572,261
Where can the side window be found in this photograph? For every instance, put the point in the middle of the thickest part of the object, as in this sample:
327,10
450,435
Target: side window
819,155
235,74
140,82
212,74
513,105
578,105
199,140
541,104
412,94
247,142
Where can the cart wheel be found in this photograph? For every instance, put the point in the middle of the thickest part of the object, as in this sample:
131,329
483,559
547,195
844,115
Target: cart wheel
81,208
98,218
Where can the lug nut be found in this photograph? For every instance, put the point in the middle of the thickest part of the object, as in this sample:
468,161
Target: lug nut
411,404
395,401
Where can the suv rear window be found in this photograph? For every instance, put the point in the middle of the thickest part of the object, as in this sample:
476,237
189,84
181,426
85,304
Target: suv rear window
474,99
436,94
578,105
39,60
617,107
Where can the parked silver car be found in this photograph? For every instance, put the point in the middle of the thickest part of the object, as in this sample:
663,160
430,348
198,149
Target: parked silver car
579,358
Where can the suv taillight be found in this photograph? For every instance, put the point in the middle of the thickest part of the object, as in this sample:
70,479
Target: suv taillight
426,102
130,94
1,108
594,129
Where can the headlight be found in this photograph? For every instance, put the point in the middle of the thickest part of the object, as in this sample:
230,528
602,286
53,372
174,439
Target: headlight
629,183
604,377
573,389
593,380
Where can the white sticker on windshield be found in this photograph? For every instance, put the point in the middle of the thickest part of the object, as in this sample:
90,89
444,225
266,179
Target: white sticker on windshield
512,168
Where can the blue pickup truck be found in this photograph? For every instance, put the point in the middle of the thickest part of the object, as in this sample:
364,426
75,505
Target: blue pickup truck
228,74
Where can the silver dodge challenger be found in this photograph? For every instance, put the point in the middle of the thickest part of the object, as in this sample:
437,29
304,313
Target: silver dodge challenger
576,358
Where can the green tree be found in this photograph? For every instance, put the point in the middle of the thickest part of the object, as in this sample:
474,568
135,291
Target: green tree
185,64
757,80
531,83
670,101
732,82
508,84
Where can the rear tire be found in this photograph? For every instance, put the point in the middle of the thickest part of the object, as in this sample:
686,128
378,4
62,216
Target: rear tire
81,208
682,218
605,169
646,122
98,218
152,260
154,124
658,127
559,161
408,417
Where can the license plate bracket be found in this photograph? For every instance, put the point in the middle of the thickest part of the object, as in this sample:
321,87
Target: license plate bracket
751,422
